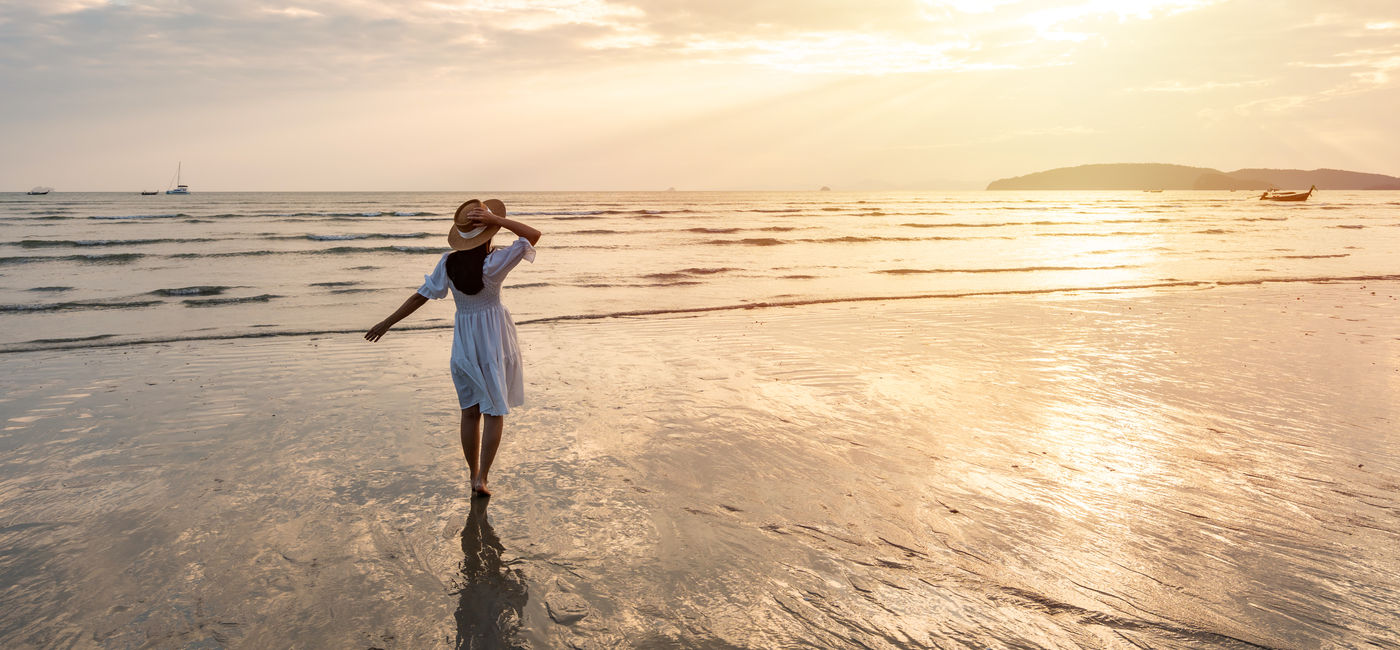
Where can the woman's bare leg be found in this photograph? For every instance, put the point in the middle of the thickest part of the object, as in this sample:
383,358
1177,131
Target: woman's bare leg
471,439
490,442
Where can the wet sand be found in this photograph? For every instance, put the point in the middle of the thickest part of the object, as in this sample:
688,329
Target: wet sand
1183,468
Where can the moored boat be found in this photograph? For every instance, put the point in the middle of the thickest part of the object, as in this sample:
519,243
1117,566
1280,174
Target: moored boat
1275,195
179,188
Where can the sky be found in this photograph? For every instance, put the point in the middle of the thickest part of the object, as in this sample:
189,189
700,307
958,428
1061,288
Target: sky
517,95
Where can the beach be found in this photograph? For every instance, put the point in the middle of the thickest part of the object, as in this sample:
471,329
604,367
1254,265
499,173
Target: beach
1211,465
839,325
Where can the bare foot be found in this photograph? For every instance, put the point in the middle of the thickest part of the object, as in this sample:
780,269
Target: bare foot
479,487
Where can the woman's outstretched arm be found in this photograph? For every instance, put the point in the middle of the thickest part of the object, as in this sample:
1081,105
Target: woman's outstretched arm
409,306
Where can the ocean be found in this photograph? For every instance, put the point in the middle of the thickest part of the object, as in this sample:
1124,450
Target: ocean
83,269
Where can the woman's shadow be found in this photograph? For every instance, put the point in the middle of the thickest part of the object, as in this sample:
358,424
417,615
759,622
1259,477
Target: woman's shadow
492,595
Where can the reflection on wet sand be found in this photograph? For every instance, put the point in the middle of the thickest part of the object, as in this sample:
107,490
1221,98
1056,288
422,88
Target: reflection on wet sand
1213,467
492,594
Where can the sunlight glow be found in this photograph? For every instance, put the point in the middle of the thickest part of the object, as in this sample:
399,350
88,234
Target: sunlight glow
845,54
1054,23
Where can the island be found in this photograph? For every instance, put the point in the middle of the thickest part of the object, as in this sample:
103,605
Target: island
1159,176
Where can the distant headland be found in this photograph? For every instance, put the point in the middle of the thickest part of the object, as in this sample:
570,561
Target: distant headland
1157,176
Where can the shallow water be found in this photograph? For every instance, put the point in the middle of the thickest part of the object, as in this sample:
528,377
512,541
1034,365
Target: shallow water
86,269
1184,467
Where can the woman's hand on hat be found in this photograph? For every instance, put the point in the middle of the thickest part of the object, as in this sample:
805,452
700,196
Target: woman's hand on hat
480,216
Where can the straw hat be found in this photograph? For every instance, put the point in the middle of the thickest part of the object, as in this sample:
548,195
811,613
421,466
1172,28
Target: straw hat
463,236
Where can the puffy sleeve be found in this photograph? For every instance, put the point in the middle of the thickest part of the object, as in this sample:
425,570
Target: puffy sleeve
500,261
435,284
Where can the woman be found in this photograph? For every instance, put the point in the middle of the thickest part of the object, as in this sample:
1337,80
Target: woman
485,357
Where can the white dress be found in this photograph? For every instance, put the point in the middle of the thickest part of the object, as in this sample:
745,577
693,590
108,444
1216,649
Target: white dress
485,356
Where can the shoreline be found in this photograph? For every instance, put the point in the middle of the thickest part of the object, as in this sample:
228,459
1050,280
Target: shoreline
95,342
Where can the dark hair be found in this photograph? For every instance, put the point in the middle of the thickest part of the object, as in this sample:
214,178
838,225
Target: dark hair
464,268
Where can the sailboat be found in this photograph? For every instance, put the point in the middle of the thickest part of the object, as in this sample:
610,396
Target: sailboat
179,187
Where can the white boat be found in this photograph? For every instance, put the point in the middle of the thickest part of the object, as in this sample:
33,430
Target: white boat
179,188
40,191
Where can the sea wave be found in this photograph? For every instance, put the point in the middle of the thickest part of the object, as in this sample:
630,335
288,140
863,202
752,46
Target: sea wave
110,258
364,213
83,243
174,215
256,253
77,305
271,214
590,213
672,283
352,236
551,213
857,239
336,250
749,241
707,271
201,290
1016,269
214,302
1118,233
75,339
1009,224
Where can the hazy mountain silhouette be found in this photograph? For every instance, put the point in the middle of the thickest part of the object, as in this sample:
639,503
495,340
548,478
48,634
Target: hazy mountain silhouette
1157,176
1324,179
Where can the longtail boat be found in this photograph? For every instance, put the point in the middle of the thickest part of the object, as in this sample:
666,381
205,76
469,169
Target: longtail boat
1275,195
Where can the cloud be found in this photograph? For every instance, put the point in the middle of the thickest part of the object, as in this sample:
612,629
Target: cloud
156,39
533,15
840,53
1367,71
294,12
1179,87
